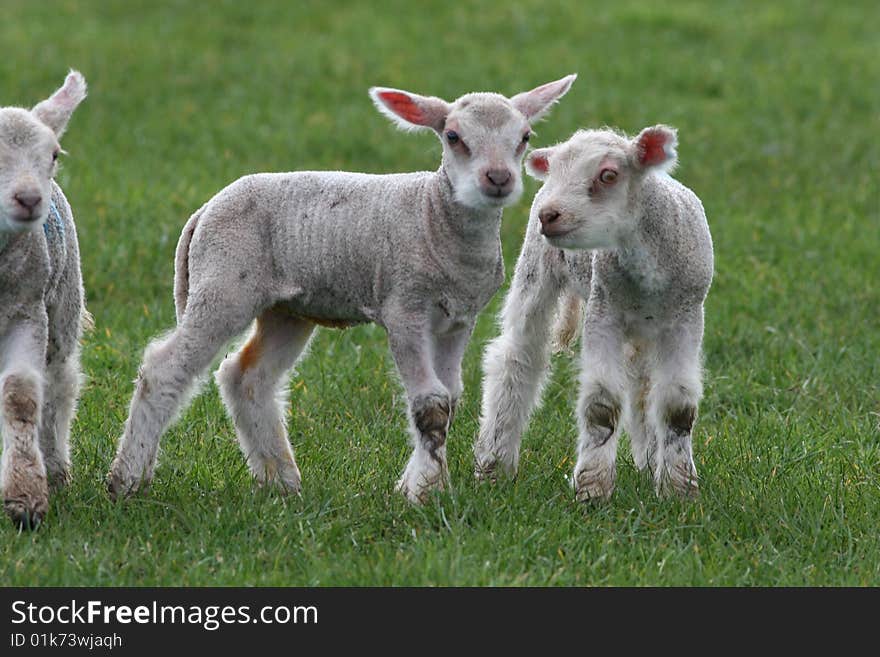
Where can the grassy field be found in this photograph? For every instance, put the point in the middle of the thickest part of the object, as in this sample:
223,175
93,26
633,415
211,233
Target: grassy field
778,112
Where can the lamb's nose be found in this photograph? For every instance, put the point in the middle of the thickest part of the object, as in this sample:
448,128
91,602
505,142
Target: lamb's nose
30,200
498,177
548,216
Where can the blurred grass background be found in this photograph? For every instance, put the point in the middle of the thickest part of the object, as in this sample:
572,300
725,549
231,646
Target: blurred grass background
778,112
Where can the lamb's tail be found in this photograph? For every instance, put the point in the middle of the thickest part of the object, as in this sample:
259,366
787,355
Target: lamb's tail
181,263
569,321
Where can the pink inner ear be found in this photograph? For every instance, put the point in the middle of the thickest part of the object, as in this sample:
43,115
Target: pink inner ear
652,148
403,106
539,163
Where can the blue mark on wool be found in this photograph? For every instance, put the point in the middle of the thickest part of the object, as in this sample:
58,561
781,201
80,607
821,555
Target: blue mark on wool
53,226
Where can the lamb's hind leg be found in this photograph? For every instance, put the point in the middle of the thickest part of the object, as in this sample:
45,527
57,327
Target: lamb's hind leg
251,383
62,388
171,365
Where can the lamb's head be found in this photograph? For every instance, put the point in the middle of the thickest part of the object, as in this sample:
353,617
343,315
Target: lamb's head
29,152
592,182
484,135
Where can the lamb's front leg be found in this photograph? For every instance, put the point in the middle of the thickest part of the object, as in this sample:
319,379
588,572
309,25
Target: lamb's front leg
430,410
61,391
515,364
602,396
671,408
448,351
23,482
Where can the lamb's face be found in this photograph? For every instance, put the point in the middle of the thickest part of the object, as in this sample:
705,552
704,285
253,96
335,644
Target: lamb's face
484,140
584,197
29,152
591,184
28,161
484,135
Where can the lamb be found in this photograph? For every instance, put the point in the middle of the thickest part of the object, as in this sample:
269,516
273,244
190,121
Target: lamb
621,234
417,253
42,311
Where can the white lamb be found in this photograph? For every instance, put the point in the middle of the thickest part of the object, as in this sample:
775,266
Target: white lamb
417,253
621,234
41,305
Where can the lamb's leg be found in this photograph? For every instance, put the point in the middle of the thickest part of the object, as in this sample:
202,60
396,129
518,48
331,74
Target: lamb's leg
448,353
62,389
671,410
170,366
603,381
430,407
515,366
641,438
22,472
251,383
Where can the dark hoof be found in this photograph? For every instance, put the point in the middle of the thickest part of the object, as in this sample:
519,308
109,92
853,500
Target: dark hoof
25,517
120,489
58,480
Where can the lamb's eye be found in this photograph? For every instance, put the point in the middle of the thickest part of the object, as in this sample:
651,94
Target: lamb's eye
525,138
55,155
452,137
608,176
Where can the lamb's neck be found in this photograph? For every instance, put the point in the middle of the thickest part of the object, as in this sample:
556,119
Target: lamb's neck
4,239
638,256
450,222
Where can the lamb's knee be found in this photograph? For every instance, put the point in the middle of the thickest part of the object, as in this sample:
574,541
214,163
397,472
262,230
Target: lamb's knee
148,376
239,373
431,415
680,421
601,416
228,375
65,381
21,399
675,418
514,354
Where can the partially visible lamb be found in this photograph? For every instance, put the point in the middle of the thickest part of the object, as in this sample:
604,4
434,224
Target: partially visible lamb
41,305
612,227
417,253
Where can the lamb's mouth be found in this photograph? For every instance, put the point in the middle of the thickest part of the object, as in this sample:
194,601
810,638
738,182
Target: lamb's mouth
24,220
552,232
497,198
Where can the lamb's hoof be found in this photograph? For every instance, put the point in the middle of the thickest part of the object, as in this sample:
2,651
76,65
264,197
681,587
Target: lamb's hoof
284,477
58,477
25,516
417,488
486,470
27,507
681,480
495,458
121,487
594,484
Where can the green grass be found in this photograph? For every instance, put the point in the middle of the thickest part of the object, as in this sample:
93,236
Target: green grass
778,110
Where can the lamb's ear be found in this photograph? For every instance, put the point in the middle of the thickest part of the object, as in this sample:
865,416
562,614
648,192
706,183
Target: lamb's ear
411,111
56,110
655,147
538,163
536,103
